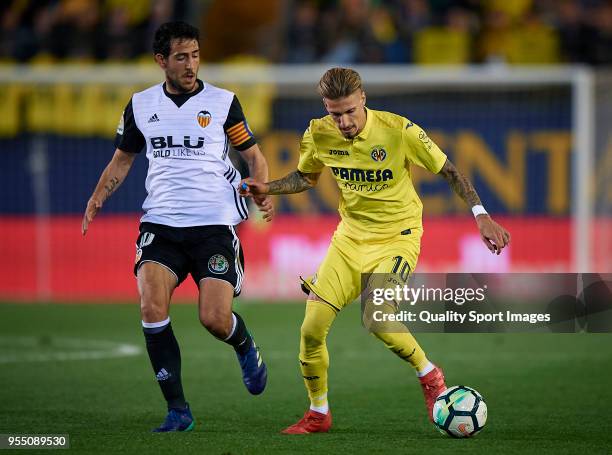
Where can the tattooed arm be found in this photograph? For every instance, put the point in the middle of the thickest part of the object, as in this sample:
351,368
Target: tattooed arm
494,236
460,184
113,175
295,182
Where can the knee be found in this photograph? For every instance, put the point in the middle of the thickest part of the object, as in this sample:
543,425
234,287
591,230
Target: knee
218,324
154,302
152,308
312,335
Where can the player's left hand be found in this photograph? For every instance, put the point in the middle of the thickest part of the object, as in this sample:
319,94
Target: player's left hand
264,203
250,188
494,236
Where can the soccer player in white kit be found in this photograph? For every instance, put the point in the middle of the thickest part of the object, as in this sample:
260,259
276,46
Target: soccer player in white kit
191,208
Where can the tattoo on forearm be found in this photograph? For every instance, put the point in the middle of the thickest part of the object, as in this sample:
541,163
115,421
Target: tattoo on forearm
295,182
460,185
111,186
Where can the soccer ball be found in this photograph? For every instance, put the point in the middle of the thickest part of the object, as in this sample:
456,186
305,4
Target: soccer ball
460,412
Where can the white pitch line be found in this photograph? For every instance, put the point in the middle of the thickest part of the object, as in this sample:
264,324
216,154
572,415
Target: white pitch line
26,349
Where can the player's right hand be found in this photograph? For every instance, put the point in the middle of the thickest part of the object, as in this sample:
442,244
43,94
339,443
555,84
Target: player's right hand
93,207
250,187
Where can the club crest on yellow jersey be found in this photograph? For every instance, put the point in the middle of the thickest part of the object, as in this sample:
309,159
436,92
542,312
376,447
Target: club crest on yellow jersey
378,154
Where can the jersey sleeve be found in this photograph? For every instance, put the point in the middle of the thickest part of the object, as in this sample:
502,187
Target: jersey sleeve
309,163
420,149
237,128
129,138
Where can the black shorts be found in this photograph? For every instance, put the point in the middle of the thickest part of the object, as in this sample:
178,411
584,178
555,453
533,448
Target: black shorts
202,251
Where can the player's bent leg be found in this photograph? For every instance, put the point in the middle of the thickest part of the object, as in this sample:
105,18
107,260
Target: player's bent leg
155,285
215,309
392,265
431,377
314,362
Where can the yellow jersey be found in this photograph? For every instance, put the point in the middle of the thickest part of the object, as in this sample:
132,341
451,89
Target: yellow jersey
377,197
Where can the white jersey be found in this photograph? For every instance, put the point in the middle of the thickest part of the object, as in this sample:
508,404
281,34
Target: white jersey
191,180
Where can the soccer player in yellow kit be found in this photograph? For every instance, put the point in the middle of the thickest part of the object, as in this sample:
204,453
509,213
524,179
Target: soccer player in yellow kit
369,153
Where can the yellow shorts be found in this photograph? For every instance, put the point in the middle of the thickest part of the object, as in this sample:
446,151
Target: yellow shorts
338,280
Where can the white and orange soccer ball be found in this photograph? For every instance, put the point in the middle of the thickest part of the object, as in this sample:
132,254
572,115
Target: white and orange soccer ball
460,412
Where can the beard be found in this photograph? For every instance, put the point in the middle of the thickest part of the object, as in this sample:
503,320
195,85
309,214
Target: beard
176,85
349,134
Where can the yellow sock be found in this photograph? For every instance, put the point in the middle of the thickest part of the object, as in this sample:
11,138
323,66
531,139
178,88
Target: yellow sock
405,346
314,358
319,404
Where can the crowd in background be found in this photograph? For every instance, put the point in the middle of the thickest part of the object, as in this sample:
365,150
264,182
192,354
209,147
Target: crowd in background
308,31
452,31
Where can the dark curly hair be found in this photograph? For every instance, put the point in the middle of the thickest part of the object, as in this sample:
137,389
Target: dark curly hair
173,30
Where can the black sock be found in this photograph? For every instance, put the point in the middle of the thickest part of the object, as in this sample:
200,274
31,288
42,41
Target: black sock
240,338
165,357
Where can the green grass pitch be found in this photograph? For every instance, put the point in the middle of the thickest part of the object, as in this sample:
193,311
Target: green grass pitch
546,393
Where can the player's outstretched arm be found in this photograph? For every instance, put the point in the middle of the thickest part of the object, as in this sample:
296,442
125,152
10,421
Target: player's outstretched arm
296,182
113,175
258,169
494,236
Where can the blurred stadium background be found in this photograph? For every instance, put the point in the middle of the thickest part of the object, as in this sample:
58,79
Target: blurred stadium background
516,93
